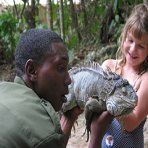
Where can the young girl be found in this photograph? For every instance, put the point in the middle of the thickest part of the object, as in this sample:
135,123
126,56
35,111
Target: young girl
133,66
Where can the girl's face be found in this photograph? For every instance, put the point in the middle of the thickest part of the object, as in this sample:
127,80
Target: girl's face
135,50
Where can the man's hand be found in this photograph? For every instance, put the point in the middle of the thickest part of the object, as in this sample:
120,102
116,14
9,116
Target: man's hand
67,121
73,114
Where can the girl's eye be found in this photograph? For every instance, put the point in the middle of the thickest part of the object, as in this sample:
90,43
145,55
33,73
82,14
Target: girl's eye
142,46
130,40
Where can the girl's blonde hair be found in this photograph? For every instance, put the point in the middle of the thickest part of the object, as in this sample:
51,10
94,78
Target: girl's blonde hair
137,24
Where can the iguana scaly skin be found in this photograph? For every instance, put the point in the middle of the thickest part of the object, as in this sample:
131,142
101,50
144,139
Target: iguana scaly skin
95,90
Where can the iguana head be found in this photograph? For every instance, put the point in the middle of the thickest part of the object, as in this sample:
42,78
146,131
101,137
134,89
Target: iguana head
123,98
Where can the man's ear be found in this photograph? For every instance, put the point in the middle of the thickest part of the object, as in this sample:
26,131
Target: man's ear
31,69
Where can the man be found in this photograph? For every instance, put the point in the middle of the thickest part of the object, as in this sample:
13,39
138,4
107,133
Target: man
28,106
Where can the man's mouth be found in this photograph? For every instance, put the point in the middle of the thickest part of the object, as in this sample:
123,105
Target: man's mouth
64,99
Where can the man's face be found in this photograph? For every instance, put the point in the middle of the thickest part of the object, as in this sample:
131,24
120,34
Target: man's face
52,76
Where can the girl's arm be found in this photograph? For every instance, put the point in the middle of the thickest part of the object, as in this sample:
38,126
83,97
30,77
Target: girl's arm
99,125
141,110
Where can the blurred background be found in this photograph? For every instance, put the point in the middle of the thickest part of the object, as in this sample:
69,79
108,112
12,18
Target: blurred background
89,28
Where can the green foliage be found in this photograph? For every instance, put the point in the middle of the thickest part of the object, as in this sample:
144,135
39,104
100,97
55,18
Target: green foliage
8,33
121,10
91,23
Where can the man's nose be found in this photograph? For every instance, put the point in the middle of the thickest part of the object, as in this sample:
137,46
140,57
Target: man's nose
68,79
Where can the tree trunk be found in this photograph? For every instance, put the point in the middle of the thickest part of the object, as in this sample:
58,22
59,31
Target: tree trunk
144,1
104,31
32,24
29,15
49,15
75,20
61,19
84,12
15,10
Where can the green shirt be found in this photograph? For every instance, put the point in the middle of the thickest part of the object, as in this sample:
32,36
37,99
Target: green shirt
27,121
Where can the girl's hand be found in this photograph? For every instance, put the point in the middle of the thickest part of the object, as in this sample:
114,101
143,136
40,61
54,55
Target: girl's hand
99,125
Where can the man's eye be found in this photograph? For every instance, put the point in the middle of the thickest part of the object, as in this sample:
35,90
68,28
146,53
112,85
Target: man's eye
62,68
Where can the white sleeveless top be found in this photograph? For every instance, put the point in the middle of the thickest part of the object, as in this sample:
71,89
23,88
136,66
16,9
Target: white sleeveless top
137,78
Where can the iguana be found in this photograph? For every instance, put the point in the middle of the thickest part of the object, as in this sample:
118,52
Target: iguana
96,90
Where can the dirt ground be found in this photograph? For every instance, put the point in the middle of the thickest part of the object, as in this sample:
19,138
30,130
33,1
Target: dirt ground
78,141
7,73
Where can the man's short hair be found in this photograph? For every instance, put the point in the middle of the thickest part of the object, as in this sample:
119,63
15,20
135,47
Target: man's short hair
33,44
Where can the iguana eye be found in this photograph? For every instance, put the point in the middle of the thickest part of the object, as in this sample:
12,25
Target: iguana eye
95,97
124,91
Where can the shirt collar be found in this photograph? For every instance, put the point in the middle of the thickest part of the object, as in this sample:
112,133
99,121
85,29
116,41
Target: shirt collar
19,80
